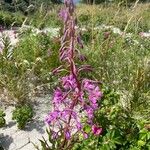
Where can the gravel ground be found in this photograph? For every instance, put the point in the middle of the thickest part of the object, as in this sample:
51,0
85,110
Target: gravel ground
11,138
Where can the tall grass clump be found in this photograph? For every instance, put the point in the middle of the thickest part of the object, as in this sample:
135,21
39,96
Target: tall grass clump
115,15
27,66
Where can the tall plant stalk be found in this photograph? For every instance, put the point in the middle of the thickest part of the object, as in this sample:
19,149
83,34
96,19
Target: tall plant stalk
76,98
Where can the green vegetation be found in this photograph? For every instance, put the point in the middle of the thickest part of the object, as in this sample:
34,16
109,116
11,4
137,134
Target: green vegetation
28,66
22,115
25,6
121,61
120,129
2,119
131,19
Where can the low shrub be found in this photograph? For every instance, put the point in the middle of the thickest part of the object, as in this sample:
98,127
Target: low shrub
22,115
2,119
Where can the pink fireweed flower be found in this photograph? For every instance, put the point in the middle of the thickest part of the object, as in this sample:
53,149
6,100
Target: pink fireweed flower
54,135
95,95
85,135
58,96
67,135
90,112
52,117
96,130
79,126
69,82
93,91
63,14
67,112
88,86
